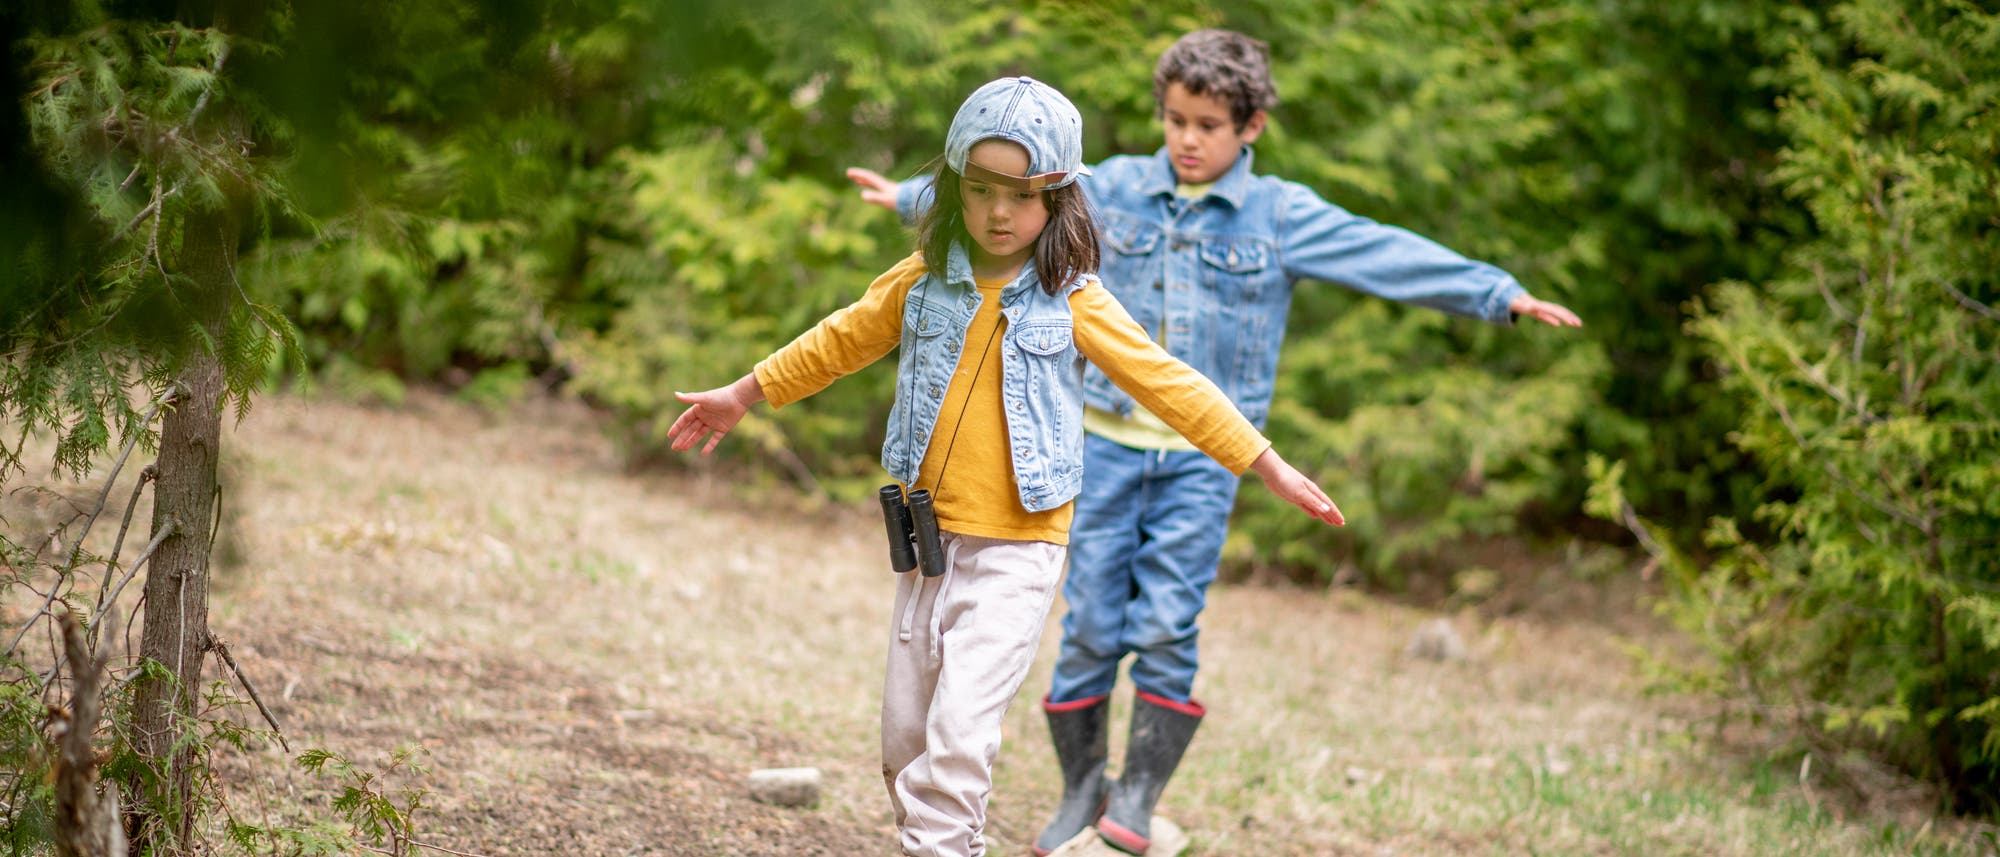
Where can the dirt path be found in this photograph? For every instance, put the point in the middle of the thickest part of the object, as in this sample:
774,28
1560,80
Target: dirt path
577,651
593,661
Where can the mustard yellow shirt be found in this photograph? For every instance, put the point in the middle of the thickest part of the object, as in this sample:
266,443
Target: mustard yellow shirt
978,495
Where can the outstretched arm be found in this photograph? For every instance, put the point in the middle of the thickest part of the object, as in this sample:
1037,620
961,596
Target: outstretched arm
1318,240
1192,404
1296,488
714,411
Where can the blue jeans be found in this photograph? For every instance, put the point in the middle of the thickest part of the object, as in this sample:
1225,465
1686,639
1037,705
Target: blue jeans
1143,551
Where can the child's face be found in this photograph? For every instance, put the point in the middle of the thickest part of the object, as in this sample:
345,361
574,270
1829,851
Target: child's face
1202,140
1004,221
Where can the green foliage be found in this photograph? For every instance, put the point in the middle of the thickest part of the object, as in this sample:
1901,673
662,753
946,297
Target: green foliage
730,267
655,201
380,815
1866,602
130,116
163,145
1586,148
28,792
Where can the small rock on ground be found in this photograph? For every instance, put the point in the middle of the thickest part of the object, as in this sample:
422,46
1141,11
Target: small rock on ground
1168,841
785,786
1437,640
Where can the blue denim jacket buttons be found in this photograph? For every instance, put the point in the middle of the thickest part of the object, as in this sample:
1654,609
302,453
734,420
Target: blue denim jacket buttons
1041,382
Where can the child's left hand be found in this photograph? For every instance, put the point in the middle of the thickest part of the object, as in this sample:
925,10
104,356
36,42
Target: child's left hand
1299,490
1553,314
717,411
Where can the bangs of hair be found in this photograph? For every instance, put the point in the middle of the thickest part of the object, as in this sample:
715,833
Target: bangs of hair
1067,249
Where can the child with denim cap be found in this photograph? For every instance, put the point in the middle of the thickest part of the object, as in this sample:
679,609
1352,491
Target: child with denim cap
1204,253
1003,279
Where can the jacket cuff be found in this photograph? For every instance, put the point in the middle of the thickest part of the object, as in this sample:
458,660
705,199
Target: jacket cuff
1503,293
912,197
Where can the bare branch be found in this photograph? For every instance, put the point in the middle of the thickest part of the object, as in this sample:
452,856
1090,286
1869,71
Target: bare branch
221,56
150,209
1630,518
112,477
166,530
146,475
103,496
1968,302
34,618
86,822
222,648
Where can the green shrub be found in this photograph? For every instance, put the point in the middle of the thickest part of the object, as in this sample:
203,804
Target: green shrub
1861,598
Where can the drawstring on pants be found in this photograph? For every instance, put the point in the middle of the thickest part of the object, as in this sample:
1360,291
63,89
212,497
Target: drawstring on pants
905,628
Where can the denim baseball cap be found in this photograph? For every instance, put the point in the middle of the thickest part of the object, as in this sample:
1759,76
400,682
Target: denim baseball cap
1025,111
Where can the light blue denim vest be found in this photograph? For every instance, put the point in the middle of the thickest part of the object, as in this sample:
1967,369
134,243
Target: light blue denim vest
1041,380
1216,273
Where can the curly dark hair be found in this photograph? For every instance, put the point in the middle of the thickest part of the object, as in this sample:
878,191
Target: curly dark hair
1221,63
1066,249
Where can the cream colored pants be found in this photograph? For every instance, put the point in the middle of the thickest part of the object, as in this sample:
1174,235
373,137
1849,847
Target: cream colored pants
959,647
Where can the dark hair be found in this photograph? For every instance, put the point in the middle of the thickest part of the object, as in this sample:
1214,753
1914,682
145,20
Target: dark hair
1066,249
1221,63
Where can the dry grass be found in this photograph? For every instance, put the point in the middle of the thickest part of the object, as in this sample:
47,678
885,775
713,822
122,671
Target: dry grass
594,660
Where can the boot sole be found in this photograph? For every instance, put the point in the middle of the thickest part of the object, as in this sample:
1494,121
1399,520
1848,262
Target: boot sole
1115,835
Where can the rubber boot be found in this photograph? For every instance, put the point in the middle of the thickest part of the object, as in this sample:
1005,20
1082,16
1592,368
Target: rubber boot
1077,730
1161,730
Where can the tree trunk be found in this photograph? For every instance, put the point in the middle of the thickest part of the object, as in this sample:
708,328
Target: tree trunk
184,496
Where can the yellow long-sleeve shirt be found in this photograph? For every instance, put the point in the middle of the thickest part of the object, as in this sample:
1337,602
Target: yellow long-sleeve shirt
978,495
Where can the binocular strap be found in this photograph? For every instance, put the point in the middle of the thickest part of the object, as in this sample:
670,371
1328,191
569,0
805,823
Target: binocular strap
918,583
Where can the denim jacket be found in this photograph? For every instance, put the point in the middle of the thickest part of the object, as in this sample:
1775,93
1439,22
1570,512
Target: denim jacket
1217,272
1041,381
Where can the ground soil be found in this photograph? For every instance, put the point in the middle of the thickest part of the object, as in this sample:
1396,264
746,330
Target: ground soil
586,659
347,519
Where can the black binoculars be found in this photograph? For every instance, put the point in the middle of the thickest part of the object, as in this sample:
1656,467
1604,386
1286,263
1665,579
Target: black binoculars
913,531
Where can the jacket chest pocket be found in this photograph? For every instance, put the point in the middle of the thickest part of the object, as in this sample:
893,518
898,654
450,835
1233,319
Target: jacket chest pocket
1043,339
927,320
1131,237
1234,264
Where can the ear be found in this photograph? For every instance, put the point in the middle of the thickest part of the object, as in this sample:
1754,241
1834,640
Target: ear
1253,128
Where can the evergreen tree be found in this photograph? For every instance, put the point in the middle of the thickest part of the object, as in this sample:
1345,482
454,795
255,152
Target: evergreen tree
1862,598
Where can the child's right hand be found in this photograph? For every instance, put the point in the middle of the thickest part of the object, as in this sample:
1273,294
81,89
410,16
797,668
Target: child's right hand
1298,489
874,188
717,411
